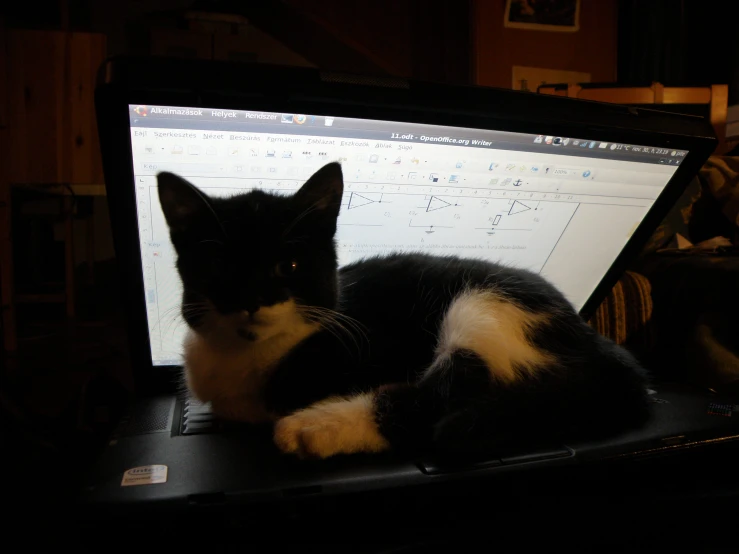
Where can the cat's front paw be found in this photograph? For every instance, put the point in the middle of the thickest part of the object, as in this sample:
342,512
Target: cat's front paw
309,435
335,426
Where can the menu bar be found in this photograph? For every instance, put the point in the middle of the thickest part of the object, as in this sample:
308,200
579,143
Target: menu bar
234,123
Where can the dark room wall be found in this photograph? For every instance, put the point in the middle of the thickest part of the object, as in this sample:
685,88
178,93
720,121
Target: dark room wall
592,49
409,38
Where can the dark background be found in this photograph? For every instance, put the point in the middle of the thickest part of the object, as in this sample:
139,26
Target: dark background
64,386
685,42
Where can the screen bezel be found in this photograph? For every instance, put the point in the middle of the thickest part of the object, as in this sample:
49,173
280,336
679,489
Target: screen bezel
299,90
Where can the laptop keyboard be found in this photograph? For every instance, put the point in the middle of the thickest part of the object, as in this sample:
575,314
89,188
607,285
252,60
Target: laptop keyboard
197,418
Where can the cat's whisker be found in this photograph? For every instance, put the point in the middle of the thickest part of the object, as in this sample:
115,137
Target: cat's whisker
357,326
346,322
339,315
327,325
172,318
326,319
337,321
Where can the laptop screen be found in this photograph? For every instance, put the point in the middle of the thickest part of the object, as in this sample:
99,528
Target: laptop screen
563,207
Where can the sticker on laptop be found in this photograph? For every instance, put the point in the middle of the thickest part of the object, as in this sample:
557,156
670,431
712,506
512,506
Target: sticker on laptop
144,475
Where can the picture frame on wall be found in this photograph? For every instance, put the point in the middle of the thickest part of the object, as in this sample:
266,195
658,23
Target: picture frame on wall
561,16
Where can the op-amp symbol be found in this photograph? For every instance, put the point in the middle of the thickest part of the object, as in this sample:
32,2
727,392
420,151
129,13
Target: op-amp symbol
436,203
357,200
518,207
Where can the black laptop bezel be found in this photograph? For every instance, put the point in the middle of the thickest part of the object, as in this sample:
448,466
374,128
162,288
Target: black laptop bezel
225,85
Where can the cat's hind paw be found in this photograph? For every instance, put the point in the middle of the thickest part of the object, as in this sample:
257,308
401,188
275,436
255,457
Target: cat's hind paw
333,426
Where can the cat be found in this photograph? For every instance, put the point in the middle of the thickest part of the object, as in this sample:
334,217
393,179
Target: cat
409,352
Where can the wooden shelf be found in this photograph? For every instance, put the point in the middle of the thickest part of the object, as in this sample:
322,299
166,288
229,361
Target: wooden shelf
63,190
48,135
41,298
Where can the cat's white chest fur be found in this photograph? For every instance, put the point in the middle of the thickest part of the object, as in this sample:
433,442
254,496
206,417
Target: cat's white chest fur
231,372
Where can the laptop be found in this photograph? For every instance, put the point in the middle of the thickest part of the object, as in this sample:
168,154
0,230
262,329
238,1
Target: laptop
569,189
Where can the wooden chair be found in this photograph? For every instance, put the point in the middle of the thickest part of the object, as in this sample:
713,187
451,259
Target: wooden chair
715,98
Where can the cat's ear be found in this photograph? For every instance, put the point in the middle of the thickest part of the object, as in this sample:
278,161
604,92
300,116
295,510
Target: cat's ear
322,193
184,206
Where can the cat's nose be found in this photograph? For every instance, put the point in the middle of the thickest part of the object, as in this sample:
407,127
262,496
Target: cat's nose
251,305
251,310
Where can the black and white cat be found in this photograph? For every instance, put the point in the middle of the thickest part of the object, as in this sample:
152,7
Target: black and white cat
406,351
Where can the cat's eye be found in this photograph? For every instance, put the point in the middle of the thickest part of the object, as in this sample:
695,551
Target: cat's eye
283,269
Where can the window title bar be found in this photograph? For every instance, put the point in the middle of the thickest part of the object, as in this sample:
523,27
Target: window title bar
206,119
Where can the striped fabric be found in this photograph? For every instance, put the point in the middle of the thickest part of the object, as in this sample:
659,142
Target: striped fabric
624,315
708,208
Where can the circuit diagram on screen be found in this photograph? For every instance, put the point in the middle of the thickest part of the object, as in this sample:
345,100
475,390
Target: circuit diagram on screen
520,232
